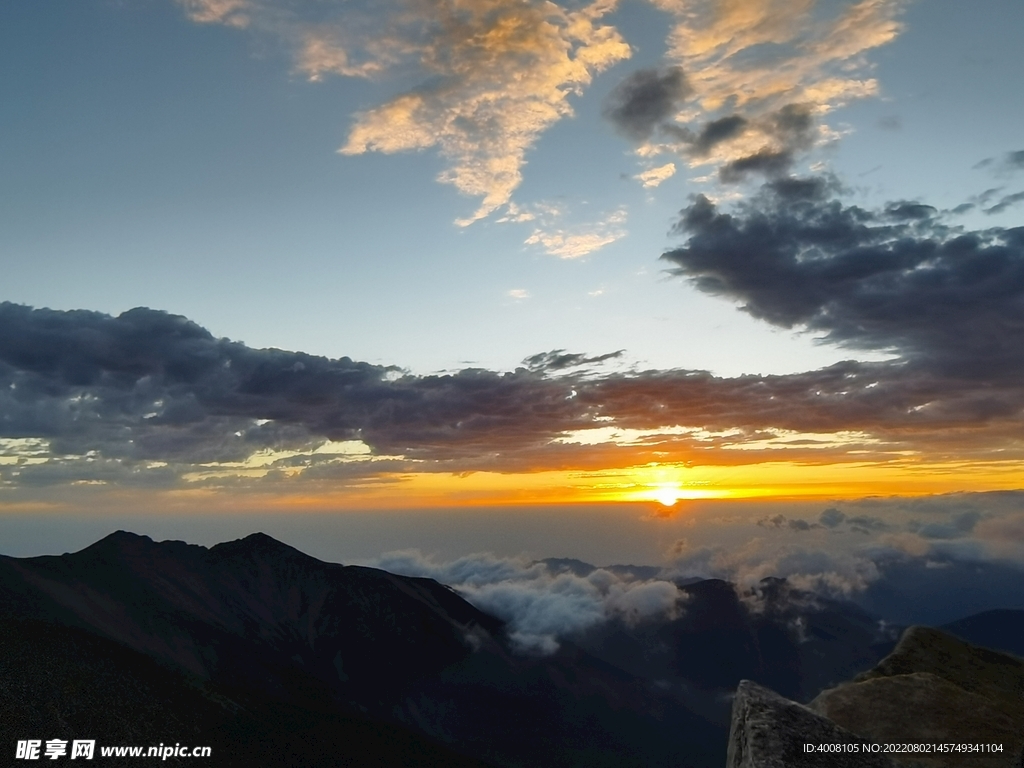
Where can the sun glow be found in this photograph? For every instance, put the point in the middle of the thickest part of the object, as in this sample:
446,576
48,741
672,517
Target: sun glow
667,484
667,495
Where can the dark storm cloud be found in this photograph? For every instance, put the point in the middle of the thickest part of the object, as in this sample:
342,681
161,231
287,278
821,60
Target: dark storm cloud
640,109
645,100
945,300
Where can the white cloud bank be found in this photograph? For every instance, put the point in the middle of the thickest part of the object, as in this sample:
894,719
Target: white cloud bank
542,604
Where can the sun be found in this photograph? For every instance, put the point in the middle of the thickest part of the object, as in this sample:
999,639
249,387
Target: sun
667,495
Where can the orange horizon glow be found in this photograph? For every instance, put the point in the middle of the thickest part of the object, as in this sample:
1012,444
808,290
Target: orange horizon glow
665,485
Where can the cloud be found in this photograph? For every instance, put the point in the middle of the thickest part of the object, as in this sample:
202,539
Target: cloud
653,177
147,386
1007,164
899,279
149,397
831,517
580,240
543,604
493,75
1005,202
749,68
715,132
323,52
817,570
976,540
229,12
560,360
767,162
957,527
638,105
793,524
745,85
501,74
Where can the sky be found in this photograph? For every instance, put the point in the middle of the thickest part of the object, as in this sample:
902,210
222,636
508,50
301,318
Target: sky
610,280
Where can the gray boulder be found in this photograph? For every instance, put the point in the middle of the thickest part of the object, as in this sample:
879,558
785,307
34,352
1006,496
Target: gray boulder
769,731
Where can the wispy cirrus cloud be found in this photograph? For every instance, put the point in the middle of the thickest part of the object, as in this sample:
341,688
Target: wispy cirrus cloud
577,240
1005,165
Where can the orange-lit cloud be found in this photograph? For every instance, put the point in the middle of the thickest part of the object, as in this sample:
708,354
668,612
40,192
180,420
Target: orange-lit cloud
578,240
745,62
495,74
502,74
207,415
749,81
230,12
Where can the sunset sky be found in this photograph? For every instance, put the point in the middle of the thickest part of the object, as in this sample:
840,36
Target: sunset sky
542,276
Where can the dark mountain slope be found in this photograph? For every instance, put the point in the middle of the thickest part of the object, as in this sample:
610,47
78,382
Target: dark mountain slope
291,639
59,682
248,610
791,641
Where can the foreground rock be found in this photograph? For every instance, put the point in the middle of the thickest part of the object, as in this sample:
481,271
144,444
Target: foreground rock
769,731
935,688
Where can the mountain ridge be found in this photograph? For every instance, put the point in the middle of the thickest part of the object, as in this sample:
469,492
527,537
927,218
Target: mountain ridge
267,626
254,644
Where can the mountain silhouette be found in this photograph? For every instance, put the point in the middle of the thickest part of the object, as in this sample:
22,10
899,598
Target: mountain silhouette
272,657
252,642
790,641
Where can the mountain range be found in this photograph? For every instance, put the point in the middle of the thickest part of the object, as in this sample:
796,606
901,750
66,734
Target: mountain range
272,657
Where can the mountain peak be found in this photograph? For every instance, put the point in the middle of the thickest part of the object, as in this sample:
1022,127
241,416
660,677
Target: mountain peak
118,541
122,535
258,543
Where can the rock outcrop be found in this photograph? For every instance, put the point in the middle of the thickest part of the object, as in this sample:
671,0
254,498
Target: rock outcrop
769,731
936,688
933,689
